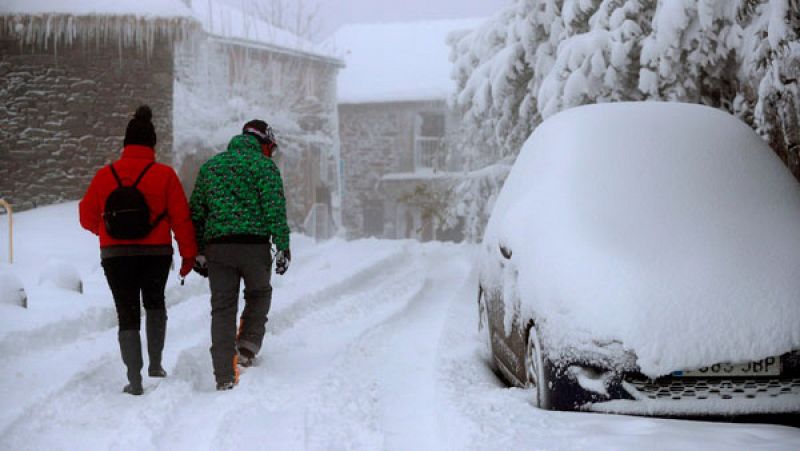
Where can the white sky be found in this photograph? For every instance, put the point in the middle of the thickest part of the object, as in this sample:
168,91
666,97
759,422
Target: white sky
335,13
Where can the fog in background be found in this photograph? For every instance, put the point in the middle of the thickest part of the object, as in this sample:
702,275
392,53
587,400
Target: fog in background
328,15
335,13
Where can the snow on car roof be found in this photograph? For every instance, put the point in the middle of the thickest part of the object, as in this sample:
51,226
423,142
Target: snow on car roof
670,227
396,61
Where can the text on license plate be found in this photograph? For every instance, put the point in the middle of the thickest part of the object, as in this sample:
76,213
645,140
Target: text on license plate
771,366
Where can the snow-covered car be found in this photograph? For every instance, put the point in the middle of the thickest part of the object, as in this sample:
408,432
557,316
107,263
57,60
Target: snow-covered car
645,258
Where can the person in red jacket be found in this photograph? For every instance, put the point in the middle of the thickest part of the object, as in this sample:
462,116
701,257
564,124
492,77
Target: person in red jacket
140,265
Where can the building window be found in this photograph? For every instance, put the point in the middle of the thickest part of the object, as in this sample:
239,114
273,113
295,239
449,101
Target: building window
429,149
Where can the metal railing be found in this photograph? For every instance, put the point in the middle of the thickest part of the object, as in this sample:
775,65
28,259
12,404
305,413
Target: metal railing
429,153
10,211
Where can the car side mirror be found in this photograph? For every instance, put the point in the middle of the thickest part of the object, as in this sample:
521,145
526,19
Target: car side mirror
506,252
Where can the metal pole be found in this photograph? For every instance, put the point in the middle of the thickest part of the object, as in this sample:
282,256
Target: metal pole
7,206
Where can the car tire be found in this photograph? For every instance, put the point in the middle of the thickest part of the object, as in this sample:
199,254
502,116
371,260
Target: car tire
537,369
484,330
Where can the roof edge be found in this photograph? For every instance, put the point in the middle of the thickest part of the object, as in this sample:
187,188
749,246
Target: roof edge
339,63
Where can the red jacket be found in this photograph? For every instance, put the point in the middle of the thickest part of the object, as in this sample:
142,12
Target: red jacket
161,188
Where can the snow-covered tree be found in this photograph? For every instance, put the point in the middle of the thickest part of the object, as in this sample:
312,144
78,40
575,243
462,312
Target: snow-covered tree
539,57
600,63
770,74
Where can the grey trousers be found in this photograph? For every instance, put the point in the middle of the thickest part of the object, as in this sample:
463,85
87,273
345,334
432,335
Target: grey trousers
228,265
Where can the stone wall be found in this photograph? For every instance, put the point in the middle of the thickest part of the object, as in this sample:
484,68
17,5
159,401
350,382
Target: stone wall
63,114
377,139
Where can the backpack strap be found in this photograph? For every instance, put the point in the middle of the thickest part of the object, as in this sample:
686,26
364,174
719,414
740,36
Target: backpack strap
116,176
119,180
163,215
144,171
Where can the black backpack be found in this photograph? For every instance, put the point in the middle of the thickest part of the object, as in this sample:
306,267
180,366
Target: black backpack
126,215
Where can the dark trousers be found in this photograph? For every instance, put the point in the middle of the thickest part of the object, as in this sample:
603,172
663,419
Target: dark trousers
228,265
135,280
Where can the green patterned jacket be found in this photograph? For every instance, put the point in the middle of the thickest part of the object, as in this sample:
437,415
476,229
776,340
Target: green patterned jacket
240,192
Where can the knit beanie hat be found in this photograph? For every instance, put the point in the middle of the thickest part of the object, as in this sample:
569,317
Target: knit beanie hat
261,130
140,129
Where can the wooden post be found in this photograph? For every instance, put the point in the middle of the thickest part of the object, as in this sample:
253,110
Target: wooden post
7,206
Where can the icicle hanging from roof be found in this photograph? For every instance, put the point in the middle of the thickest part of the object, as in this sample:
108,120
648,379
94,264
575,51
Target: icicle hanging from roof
129,31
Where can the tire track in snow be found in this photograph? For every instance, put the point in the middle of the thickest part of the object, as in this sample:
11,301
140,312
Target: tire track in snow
294,361
391,371
286,318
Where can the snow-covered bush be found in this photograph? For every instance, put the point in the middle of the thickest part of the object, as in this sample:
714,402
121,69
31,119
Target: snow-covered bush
539,57
60,274
12,291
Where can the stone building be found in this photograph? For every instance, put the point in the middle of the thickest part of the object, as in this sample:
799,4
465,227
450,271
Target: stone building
70,79
398,160
73,76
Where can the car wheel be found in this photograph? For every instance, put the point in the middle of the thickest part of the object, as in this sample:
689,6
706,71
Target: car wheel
484,329
536,369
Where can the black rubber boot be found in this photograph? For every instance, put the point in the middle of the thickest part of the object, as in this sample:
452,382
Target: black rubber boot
130,346
156,324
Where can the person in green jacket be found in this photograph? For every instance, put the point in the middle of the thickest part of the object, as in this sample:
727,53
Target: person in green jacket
239,211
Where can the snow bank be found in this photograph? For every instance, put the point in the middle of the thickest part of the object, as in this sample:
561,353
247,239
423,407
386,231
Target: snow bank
397,61
60,274
12,292
669,227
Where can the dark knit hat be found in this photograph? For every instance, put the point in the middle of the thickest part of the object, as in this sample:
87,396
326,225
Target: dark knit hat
261,130
140,129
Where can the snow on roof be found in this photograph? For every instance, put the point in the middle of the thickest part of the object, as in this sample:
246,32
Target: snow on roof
44,23
669,227
217,19
229,22
140,8
396,61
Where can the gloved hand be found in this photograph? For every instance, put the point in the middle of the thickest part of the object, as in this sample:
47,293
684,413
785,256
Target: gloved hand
186,266
282,260
201,265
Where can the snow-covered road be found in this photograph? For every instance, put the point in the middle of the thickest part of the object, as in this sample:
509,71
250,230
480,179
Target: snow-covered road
371,345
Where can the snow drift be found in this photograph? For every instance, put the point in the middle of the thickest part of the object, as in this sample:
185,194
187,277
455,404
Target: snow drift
670,227
12,291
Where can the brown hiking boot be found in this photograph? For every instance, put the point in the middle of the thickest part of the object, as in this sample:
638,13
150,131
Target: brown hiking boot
246,358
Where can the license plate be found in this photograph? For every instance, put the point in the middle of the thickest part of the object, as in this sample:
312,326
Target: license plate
771,366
